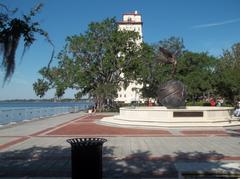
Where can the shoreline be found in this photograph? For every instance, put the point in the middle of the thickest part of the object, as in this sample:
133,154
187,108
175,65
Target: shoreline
22,122
22,112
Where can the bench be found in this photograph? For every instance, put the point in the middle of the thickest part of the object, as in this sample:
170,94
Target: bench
208,170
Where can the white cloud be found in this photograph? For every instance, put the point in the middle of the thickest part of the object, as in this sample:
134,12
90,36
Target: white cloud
231,21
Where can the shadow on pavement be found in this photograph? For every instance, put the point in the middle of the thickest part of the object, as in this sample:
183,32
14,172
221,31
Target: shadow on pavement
55,161
143,164
36,161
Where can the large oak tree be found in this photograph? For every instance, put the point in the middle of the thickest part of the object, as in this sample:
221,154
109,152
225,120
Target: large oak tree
94,63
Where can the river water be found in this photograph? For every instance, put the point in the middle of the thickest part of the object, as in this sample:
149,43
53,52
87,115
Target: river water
13,112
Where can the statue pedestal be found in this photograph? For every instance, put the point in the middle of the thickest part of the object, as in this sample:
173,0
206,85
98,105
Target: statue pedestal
163,117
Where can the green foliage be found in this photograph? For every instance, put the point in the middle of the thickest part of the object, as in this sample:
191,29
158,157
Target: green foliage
228,74
153,73
197,103
147,71
196,71
40,87
93,62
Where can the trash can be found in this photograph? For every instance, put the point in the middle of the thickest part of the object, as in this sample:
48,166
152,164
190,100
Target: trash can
86,157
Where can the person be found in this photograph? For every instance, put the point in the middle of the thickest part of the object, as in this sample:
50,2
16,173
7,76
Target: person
94,109
90,109
150,102
219,101
212,102
236,112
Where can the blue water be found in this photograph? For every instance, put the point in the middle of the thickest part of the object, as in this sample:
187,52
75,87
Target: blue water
12,112
23,105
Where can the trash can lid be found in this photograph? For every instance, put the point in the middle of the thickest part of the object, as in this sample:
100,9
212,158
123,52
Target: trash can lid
86,141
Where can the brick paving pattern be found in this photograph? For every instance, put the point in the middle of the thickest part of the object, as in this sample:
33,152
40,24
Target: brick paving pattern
39,148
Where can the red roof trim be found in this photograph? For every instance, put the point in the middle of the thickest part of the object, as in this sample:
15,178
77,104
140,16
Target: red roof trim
131,13
129,22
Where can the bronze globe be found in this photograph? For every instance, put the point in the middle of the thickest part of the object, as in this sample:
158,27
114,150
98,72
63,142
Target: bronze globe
172,94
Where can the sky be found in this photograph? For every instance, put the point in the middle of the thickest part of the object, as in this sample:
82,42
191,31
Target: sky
204,25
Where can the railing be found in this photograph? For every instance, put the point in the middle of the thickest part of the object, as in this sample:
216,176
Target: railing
16,115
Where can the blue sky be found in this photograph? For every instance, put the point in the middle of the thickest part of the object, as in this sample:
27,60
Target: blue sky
204,25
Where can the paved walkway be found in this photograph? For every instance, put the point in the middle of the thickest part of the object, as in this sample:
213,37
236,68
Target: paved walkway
39,148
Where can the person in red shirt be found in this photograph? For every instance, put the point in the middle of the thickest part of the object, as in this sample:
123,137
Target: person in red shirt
212,102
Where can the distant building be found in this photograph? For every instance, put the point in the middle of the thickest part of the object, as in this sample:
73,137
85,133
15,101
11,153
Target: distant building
131,22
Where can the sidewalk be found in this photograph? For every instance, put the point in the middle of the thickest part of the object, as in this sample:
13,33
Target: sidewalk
39,148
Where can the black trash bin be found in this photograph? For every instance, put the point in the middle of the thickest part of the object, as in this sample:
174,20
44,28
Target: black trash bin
86,157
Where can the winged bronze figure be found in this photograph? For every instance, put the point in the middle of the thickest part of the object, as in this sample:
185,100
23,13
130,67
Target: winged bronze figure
171,94
166,57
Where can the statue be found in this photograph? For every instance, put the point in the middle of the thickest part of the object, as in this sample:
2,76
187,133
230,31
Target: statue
167,57
171,94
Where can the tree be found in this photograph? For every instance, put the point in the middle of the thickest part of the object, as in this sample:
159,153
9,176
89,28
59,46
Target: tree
196,71
40,87
149,72
228,74
93,63
153,72
12,29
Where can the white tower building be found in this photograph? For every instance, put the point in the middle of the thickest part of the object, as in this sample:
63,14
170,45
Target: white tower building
131,22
